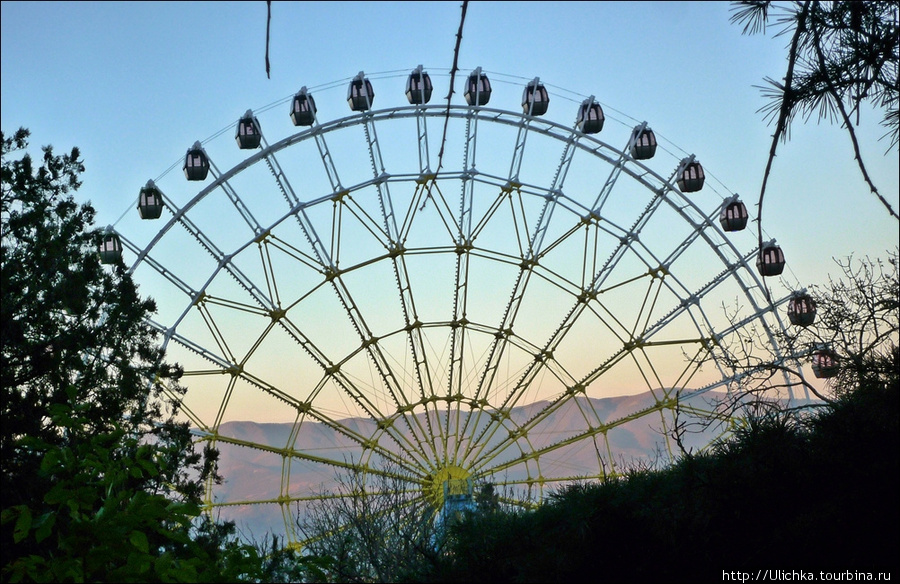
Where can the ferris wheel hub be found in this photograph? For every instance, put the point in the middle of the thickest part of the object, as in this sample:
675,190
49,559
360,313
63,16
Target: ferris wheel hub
450,482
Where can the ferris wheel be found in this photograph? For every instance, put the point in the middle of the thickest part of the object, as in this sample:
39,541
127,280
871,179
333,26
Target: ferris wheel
453,292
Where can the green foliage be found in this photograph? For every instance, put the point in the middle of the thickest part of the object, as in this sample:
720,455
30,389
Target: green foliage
100,481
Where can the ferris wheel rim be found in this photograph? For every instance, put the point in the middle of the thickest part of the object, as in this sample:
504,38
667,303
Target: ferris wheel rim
457,112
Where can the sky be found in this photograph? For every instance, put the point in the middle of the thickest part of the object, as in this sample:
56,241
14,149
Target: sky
134,84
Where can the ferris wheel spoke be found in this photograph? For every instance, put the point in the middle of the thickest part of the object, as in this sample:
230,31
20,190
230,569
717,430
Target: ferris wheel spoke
422,140
159,268
236,200
362,217
596,208
335,372
384,442
526,265
323,257
395,239
594,427
535,248
225,263
404,451
372,347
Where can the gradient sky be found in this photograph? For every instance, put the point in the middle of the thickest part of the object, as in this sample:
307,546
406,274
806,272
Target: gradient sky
134,84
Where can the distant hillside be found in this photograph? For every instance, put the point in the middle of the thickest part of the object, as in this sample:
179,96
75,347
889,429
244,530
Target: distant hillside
252,474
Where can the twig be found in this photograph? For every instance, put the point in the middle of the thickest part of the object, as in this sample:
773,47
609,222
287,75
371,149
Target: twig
453,70
268,23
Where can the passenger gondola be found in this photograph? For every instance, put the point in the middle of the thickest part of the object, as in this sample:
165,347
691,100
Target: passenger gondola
303,108
478,88
801,309
419,87
770,260
150,203
196,163
590,117
535,99
734,215
691,176
360,93
247,134
110,248
825,363
643,143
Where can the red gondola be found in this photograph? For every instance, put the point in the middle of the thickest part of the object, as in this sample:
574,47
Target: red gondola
110,248
801,309
643,143
418,87
360,94
478,88
734,215
247,134
691,177
150,203
770,260
535,99
196,163
590,117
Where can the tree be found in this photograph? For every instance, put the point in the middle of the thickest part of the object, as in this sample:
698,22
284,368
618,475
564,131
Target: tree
376,527
100,481
857,324
841,56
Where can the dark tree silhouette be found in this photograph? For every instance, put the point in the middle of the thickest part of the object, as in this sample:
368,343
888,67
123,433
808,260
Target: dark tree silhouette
100,481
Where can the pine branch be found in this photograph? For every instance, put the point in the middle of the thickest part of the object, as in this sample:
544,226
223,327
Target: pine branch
787,106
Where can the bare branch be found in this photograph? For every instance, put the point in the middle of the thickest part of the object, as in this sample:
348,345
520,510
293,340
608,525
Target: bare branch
453,70
268,24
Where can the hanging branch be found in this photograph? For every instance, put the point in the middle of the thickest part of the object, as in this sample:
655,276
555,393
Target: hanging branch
268,23
453,70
